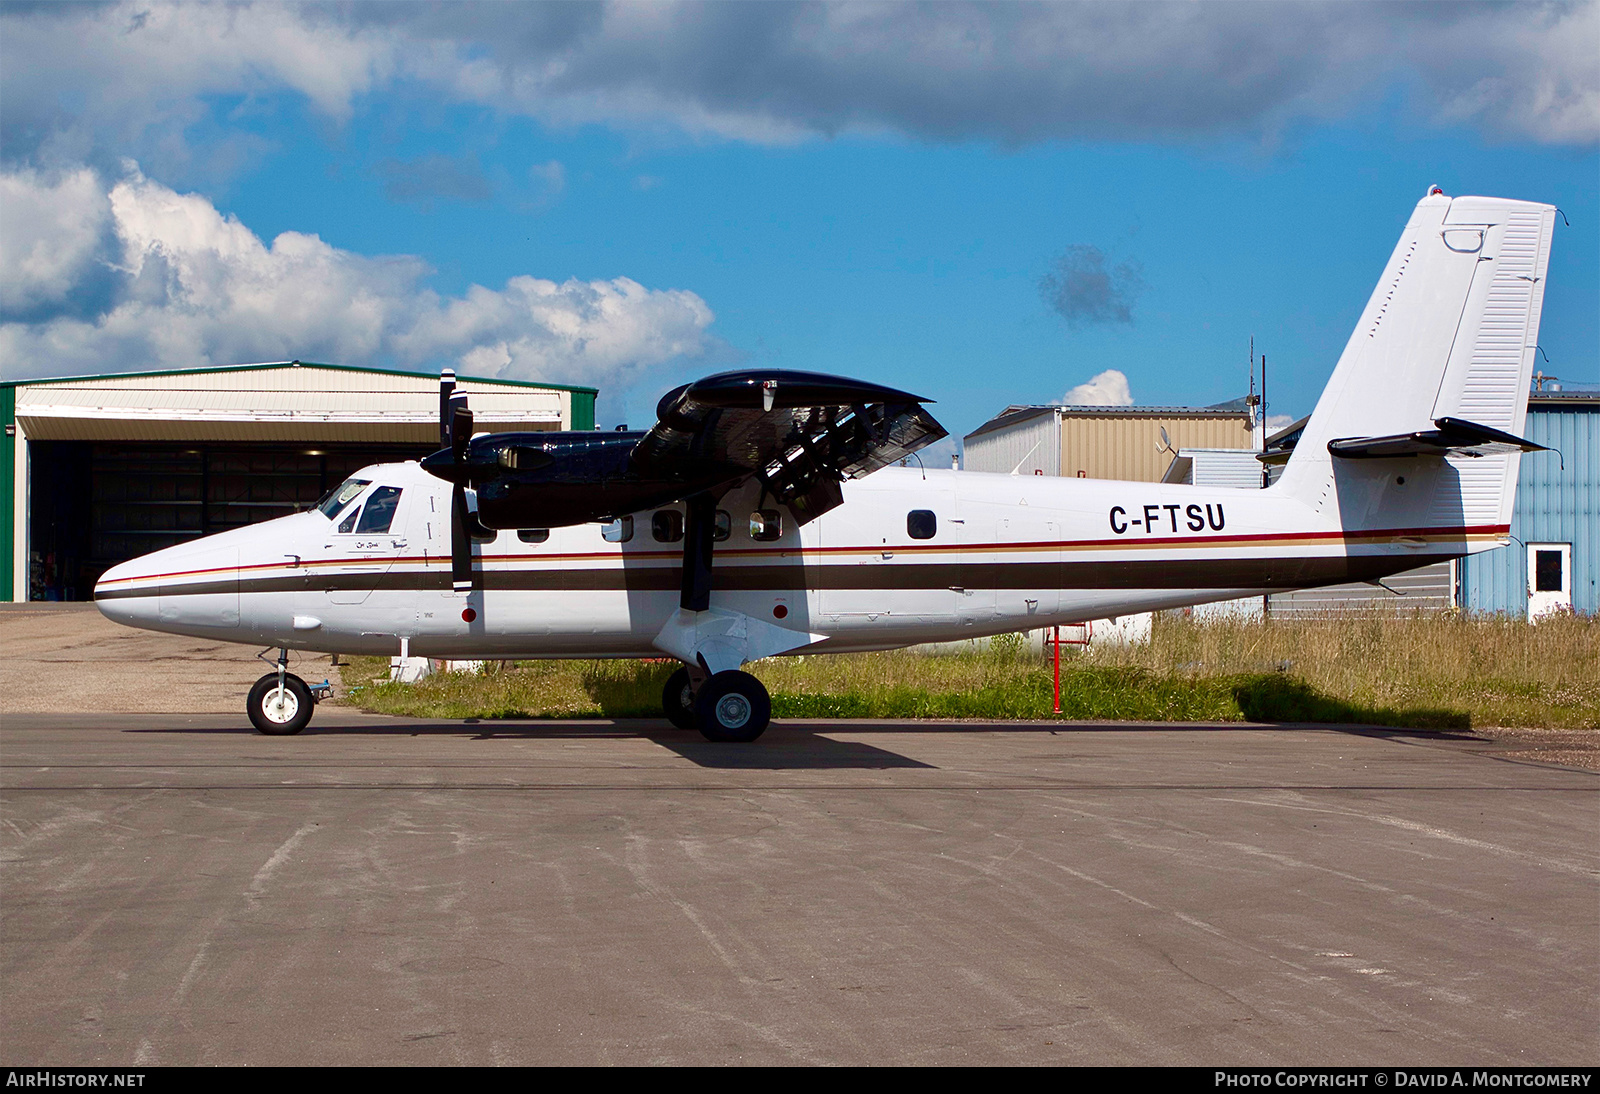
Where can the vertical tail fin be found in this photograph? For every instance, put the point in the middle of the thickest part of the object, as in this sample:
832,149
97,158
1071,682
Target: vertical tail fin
1450,332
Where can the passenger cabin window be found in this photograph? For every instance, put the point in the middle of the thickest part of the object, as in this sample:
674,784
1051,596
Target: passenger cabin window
666,526
379,511
618,531
336,499
533,535
722,526
921,524
766,525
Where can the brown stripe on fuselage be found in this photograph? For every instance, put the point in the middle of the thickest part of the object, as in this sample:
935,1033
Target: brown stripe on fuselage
1204,573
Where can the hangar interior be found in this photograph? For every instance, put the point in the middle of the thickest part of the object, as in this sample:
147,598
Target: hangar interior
92,505
103,469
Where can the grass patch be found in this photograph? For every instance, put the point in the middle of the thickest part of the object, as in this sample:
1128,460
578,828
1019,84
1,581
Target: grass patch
1427,671
1438,672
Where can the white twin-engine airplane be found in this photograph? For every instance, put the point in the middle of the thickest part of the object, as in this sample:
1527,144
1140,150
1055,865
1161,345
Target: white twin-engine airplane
759,515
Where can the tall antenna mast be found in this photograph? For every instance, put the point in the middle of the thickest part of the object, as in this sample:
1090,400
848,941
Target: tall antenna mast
1266,472
1250,400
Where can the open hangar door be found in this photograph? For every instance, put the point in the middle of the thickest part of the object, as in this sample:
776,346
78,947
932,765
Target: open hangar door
95,504
99,469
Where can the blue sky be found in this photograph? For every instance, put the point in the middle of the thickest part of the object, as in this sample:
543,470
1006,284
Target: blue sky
630,196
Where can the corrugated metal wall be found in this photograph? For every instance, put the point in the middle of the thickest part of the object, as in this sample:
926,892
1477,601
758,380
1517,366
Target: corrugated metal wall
1031,441
1427,589
1129,446
1234,467
1552,506
282,403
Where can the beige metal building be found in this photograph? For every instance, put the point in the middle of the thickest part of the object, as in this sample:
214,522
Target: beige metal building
1104,442
99,469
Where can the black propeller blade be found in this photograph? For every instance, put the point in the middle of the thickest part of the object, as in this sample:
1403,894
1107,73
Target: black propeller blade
459,427
447,387
462,576
450,463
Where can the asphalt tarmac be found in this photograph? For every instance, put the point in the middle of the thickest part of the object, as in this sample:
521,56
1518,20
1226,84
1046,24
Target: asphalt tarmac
180,890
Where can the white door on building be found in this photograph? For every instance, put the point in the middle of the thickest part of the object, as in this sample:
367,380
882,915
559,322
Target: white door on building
1549,579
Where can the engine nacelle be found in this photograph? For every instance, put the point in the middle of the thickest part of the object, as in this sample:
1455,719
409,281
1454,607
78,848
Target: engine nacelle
552,480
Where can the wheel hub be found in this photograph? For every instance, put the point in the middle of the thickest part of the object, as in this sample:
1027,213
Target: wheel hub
733,711
281,705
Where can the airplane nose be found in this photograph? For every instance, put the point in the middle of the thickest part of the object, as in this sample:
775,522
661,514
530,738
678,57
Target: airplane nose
129,594
190,588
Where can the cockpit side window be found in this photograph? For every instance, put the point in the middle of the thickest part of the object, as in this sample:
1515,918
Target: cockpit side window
379,513
335,500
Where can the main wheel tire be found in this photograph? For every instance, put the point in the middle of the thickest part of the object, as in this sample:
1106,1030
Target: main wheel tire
280,713
677,699
733,706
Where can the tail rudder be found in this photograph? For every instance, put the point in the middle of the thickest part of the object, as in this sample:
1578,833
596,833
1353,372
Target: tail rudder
1450,333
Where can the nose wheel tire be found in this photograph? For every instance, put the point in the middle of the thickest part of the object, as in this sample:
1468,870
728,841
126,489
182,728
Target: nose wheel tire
733,706
280,712
677,699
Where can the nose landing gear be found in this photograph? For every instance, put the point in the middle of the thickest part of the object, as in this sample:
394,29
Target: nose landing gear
280,703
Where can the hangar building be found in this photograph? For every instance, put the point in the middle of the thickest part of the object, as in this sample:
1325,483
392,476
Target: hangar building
1104,442
1553,562
99,469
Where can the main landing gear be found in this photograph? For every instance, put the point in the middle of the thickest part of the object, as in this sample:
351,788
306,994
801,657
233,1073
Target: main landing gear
280,703
729,706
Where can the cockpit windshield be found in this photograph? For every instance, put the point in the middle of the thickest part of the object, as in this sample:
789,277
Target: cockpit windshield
335,500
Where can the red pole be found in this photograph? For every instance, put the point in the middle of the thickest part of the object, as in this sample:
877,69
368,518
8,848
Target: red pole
1056,642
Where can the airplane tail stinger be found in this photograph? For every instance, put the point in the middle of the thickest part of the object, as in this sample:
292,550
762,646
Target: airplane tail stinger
1420,425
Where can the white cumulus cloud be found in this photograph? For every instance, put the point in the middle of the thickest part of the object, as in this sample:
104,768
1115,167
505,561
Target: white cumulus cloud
189,285
1108,388
50,232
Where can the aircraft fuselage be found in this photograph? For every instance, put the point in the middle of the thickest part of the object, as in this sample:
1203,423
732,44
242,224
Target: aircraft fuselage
911,556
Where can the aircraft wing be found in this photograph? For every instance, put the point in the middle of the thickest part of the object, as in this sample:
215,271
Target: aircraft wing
800,433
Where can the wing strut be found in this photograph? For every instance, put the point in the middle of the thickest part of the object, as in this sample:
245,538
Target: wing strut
700,515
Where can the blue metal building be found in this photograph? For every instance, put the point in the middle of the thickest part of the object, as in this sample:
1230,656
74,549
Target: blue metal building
1555,550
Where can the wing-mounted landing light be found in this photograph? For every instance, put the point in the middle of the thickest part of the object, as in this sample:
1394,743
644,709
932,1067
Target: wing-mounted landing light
1448,435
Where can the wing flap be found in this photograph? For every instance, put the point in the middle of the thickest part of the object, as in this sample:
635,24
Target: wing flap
800,433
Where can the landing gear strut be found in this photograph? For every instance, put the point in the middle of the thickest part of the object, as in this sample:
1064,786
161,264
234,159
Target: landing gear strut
730,705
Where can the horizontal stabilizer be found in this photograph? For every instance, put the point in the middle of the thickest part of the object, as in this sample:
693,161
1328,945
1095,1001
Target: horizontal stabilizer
1449,435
